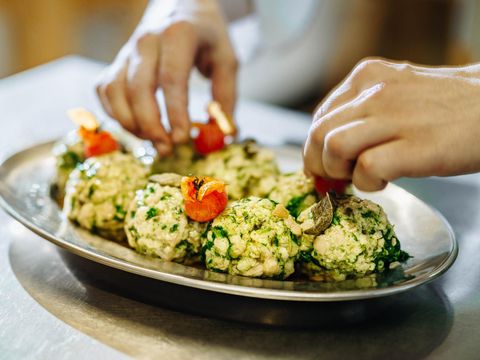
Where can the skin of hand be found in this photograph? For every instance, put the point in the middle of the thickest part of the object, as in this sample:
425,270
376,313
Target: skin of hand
388,120
172,38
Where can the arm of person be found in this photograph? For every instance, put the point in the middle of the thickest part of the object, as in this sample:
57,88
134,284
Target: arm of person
388,120
173,37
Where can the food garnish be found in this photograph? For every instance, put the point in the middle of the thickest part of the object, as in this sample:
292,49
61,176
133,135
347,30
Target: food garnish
167,179
211,135
83,119
275,225
205,197
322,216
324,185
96,141
223,121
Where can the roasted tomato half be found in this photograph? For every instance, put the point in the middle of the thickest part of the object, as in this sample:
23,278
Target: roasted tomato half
205,197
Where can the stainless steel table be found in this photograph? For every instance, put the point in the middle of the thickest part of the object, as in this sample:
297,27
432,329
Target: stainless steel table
47,313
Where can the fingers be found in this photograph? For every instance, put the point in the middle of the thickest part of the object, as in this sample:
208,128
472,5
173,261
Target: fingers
179,47
113,97
224,83
344,144
142,85
380,135
377,166
337,160
354,110
314,146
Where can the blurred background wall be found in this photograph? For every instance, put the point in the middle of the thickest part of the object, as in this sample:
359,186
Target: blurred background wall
33,32
433,32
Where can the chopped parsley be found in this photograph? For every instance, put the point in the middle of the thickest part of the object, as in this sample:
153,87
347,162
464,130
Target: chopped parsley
207,246
119,213
189,249
152,212
335,219
133,230
69,160
391,251
166,196
294,238
91,190
369,214
120,210
275,241
295,205
219,232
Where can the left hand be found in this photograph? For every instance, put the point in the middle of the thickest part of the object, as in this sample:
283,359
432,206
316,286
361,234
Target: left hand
387,120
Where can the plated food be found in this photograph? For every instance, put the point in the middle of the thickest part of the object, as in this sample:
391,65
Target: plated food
225,206
359,241
157,224
249,238
99,192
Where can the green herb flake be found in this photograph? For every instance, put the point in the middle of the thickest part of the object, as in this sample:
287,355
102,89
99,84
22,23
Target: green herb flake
133,230
294,238
152,212
336,219
275,241
120,210
91,190
219,232
166,196
295,205
69,160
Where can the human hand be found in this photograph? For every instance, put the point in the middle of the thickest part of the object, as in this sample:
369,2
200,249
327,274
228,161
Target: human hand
387,120
161,53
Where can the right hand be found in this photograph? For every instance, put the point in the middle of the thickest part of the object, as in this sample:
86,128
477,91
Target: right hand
161,53
392,119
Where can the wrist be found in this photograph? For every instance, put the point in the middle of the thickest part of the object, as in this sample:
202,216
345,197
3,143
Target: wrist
160,11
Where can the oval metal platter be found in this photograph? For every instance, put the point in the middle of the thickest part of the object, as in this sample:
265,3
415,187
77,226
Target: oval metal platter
24,190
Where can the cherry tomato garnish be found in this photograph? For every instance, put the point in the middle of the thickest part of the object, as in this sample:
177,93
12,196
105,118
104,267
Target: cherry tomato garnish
210,137
205,197
324,186
97,142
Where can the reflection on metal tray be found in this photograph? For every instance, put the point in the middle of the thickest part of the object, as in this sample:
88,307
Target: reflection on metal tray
424,233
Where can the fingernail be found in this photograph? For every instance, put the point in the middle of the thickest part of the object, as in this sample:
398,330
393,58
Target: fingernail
163,149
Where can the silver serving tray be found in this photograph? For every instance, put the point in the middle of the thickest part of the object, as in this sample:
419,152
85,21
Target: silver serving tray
24,193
